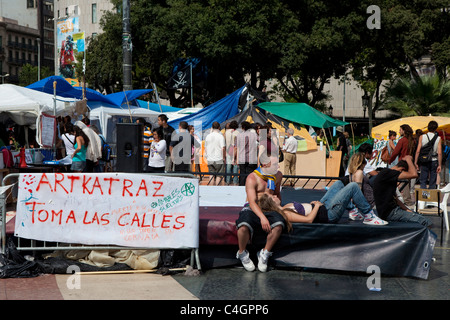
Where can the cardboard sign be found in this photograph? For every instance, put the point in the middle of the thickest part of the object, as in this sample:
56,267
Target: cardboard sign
133,210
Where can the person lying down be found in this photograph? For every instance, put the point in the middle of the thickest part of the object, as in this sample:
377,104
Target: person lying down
328,210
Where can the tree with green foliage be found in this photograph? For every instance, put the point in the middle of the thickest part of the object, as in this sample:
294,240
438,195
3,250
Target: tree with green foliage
301,44
29,74
418,96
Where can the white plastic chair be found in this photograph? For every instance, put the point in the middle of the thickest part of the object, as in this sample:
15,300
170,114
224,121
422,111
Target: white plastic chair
445,192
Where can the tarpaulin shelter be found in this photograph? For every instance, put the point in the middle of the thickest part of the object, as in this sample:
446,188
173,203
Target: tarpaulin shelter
301,113
156,107
252,115
416,122
65,89
108,115
219,111
25,106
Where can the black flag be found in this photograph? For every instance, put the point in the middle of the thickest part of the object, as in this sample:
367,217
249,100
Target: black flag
180,79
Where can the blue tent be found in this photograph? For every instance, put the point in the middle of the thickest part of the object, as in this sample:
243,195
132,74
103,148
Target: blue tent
65,89
155,106
126,97
219,111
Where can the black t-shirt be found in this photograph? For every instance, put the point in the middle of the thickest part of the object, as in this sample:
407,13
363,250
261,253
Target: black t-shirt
180,145
322,215
384,191
343,145
167,136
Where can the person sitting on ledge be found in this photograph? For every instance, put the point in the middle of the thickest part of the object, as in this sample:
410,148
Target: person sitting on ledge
389,207
264,180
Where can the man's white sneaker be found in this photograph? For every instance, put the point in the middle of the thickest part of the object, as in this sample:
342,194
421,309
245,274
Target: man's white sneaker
263,258
246,261
355,215
375,221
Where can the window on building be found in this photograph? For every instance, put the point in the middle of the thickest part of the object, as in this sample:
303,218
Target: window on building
30,3
94,13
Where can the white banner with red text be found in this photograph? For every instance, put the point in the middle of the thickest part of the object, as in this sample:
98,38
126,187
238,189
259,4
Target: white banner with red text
125,209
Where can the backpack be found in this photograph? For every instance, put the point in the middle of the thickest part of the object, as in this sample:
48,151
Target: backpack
427,151
106,151
385,156
7,158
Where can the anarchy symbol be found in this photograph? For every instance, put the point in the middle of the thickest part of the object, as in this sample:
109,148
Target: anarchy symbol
187,189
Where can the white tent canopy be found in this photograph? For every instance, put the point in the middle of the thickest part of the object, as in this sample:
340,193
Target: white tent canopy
25,106
107,117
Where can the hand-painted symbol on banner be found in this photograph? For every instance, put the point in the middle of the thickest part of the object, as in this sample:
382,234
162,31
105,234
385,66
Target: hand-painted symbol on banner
187,189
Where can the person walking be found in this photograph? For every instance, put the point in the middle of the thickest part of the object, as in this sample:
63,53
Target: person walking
405,146
290,156
79,154
215,150
231,134
167,136
247,151
429,170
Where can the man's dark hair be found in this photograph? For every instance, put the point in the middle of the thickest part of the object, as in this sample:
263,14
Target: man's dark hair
245,125
86,121
163,117
234,125
432,126
365,148
403,164
216,125
183,125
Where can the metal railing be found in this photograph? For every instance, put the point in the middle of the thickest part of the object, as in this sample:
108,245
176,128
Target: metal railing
35,245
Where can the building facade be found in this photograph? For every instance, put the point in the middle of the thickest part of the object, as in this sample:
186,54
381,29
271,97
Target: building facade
26,36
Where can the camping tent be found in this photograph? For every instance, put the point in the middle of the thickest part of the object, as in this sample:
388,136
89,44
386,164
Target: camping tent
25,106
301,113
108,115
65,89
253,114
219,111
417,122
156,107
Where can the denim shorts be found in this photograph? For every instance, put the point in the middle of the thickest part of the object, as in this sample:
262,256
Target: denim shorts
248,218
78,165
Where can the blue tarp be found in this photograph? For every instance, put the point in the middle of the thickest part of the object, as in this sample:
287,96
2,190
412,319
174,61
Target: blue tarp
65,89
155,107
125,97
219,111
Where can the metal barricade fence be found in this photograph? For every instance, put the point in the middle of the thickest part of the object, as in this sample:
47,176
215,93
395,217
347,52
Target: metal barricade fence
35,245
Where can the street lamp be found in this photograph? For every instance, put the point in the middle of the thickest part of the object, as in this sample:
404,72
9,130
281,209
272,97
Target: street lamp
3,77
330,110
39,58
365,102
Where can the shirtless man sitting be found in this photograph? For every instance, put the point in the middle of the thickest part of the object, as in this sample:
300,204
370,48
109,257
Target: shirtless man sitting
265,179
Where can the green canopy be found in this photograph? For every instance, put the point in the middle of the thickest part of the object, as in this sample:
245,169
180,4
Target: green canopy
301,113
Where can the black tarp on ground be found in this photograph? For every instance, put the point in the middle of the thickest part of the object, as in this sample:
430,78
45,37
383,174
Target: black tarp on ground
398,249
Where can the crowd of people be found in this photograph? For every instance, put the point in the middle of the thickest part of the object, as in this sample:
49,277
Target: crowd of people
234,153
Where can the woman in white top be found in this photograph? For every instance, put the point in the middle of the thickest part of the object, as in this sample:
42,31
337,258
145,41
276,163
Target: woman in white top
157,157
68,138
429,170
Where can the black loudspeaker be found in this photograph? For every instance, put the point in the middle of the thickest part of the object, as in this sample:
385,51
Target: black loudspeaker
129,138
